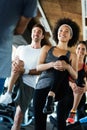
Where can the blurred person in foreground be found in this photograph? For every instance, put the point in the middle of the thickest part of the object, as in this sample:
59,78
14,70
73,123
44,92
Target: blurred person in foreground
15,16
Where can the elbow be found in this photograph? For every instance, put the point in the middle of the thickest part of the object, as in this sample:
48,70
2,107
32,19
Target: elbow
76,76
19,31
37,68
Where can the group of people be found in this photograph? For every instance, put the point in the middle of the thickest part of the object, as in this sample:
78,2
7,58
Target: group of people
57,81
59,68
44,72
24,74
79,87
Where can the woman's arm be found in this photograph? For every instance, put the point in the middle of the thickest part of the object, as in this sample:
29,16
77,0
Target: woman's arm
73,68
85,88
18,67
41,62
75,88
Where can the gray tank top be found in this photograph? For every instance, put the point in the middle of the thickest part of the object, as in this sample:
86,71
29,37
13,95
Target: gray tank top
47,77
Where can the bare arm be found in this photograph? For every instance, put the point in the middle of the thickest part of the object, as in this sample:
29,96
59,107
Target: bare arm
75,88
21,25
34,72
18,67
41,62
58,65
72,69
86,88
85,78
85,84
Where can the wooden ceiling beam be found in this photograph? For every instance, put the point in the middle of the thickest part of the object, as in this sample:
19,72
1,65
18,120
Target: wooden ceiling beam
43,20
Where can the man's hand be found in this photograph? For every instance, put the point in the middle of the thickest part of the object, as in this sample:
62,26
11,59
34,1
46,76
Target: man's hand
18,65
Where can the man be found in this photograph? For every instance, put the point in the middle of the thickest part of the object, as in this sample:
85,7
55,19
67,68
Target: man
28,75
15,16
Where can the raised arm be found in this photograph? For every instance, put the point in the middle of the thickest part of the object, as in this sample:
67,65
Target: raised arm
73,68
41,62
21,25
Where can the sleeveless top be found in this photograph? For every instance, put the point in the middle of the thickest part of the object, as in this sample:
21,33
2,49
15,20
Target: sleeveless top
47,76
81,75
80,82
30,57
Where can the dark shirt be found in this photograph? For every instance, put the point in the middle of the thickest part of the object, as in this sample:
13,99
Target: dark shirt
81,75
10,12
47,77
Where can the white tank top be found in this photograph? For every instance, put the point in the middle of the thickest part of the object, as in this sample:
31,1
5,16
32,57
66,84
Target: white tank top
30,57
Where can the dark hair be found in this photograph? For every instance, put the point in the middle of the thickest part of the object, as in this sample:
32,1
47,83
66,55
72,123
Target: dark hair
82,42
73,25
85,44
44,41
40,26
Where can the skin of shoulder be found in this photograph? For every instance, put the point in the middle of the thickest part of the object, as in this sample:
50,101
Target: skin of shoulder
43,54
73,59
41,66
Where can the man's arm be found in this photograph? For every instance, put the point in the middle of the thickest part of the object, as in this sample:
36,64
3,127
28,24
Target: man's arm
34,72
18,66
21,25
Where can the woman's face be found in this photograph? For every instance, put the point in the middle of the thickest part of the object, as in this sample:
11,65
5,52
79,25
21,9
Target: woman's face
81,50
64,33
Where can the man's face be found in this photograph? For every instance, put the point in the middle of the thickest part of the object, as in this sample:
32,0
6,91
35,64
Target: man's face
37,34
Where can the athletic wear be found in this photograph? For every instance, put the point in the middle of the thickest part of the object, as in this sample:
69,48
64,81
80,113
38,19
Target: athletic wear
41,91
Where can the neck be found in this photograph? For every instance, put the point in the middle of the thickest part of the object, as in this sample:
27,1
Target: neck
62,46
35,45
80,60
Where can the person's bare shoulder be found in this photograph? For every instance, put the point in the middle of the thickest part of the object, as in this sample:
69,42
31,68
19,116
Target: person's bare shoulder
46,48
73,56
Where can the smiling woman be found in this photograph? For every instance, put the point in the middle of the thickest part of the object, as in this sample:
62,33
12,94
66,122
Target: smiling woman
54,69
79,86
62,8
